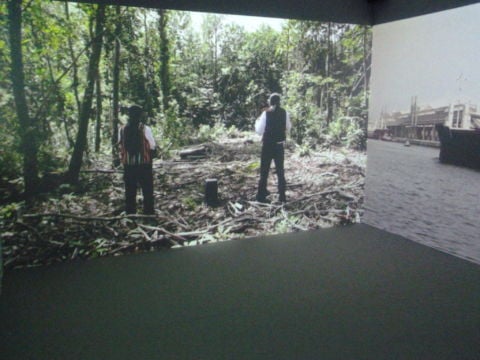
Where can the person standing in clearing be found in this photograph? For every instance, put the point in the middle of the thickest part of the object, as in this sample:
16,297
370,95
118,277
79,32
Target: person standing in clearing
273,125
137,147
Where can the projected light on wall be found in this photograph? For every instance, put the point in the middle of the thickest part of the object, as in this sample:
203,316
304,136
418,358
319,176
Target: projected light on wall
202,81
421,179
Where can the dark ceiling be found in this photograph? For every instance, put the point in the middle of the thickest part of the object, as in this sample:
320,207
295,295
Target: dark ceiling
344,11
391,10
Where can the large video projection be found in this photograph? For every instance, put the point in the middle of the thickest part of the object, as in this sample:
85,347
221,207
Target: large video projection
201,80
422,176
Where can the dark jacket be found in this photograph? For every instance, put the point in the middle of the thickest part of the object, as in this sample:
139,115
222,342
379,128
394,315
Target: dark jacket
275,126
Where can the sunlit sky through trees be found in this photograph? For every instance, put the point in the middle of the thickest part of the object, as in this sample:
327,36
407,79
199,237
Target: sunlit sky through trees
249,23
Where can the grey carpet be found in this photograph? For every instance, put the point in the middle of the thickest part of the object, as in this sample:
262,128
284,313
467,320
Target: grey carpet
345,293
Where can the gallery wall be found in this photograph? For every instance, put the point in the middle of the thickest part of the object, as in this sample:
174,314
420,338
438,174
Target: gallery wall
425,72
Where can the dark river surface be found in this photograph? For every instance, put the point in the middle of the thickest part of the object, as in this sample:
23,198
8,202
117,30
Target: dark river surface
408,192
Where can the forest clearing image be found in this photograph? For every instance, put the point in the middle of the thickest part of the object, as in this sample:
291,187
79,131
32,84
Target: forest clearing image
324,189
89,92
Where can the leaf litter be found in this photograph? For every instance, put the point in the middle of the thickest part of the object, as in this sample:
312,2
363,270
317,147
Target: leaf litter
324,189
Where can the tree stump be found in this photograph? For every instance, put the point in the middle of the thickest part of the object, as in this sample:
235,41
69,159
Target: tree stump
211,192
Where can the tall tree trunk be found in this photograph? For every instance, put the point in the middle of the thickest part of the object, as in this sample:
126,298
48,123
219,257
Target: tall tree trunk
365,88
66,126
74,63
365,69
116,88
28,126
54,90
147,74
285,91
98,125
164,58
81,139
328,72
215,59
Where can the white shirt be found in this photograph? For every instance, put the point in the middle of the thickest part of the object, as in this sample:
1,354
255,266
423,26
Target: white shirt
148,135
262,122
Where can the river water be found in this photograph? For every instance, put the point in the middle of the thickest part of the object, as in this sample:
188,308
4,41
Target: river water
408,192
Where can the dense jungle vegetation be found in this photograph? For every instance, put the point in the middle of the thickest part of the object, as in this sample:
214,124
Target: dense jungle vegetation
68,69
67,73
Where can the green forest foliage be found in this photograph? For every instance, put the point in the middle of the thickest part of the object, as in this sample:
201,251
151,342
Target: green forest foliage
187,79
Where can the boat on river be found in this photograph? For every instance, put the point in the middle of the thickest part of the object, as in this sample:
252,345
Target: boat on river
455,128
380,134
459,146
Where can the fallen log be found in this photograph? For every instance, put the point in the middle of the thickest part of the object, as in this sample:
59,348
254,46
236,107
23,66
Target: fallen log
164,231
87,218
102,171
32,230
193,152
306,197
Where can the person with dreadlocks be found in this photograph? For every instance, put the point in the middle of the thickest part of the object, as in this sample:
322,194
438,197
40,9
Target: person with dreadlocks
137,147
273,124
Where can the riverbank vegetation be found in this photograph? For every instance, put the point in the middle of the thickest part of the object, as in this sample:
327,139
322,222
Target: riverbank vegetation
66,72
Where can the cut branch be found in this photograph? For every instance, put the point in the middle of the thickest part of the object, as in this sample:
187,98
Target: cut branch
87,218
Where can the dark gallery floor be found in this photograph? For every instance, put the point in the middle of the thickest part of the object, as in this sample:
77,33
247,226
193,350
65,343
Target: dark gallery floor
344,293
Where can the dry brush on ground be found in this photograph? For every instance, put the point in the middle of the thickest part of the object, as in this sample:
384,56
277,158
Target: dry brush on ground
325,188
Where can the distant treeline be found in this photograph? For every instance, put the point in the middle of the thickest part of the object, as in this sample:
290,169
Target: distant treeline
66,69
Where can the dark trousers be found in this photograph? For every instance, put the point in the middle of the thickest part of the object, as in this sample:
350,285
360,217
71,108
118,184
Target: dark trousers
138,175
276,153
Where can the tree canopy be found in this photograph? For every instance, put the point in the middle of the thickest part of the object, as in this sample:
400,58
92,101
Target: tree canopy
67,69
